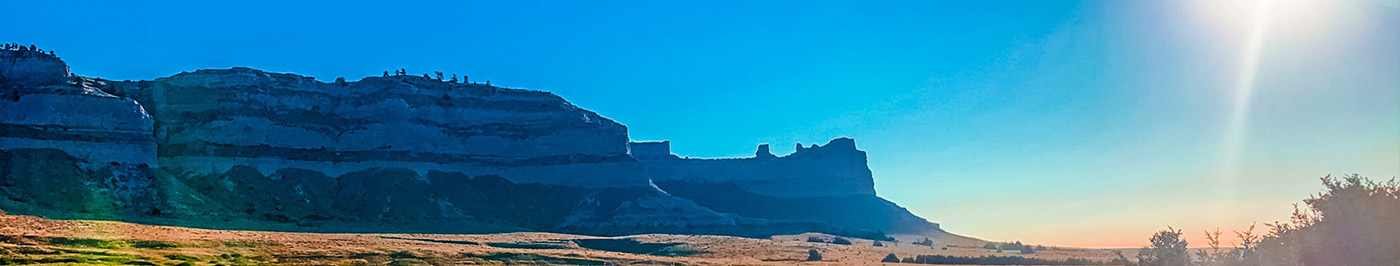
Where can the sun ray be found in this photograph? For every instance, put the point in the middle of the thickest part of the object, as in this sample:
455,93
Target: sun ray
1244,86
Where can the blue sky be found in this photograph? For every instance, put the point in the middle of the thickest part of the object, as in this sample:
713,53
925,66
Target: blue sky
1068,123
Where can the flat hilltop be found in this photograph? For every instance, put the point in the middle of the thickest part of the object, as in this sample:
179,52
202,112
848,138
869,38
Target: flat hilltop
34,240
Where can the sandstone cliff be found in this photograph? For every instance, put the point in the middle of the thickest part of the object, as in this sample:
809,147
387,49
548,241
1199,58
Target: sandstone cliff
243,148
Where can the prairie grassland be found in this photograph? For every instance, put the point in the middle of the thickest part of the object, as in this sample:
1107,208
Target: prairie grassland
33,240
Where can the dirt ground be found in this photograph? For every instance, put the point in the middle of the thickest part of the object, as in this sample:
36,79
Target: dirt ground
38,241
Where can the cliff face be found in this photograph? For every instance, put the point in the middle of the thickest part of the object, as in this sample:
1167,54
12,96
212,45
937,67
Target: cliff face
373,146
243,148
212,120
62,139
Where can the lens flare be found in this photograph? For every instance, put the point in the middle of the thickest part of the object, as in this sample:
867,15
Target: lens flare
1235,134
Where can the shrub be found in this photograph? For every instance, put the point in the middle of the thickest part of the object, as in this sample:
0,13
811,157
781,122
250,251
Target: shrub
812,255
926,242
814,239
1027,250
997,260
890,258
841,241
1012,246
1352,222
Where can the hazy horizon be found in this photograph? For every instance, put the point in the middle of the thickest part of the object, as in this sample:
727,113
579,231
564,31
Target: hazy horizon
1086,124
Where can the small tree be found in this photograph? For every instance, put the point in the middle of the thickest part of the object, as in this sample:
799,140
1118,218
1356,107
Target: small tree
386,74
340,81
925,242
454,78
1168,249
812,255
890,258
438,74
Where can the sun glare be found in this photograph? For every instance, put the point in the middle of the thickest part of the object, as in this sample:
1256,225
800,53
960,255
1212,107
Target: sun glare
1244,86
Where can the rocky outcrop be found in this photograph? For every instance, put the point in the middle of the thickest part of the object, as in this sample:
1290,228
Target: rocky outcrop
247,149
29,68
46,107
834,169
819,183
62,140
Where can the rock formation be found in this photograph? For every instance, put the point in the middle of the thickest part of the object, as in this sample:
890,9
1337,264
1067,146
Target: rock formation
829,183
243,148
836,169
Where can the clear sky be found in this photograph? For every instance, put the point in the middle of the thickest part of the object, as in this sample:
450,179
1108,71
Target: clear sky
1050,122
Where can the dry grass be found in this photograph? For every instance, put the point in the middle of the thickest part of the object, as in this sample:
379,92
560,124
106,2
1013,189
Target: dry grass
31,239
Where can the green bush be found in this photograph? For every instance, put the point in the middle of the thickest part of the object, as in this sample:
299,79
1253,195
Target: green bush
813,255
890,258
841,241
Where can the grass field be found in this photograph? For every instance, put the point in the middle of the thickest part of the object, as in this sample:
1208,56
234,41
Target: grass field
27,240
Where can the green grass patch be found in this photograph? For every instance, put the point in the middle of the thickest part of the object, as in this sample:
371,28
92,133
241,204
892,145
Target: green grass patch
364,255
181,257
66,257
84,242
529,245
444,241
23,261
242,244
36,251
85,252
11,239
629,245
523,258
403,255
407,262
150,244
